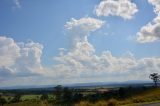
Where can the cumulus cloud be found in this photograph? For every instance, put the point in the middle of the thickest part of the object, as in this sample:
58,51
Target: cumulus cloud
19,59
151,31
9,51
155,3
123,8
78,30
23,60
82,62
30,59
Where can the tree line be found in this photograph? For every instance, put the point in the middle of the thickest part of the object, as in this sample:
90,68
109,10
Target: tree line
65,95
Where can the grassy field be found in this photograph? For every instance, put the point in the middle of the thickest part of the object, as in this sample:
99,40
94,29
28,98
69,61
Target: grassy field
24,97
30,97
148,96
28,103
152,95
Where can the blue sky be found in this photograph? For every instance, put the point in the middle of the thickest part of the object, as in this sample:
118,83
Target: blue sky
43,48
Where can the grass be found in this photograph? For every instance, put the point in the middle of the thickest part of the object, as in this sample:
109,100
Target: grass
30,97
149,96
111,102
33,97
28,103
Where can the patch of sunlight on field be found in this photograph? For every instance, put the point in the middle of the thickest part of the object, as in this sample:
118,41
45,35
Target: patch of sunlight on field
148,96
29,97
28,103
33,97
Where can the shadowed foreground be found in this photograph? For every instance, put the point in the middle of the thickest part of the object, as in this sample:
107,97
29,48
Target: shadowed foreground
147,97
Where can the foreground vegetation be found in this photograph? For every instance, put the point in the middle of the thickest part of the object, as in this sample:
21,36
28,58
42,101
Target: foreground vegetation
148,96
82,97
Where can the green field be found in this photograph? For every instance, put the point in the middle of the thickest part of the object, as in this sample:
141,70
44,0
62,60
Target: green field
148,96
28,103
30,97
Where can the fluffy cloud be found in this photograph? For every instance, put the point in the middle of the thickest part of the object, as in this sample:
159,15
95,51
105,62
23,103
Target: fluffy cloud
156,3
30,59
9,51
151,31
123,8
80,29
82,62
19,59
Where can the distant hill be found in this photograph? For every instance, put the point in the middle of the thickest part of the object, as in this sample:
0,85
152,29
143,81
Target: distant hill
81,85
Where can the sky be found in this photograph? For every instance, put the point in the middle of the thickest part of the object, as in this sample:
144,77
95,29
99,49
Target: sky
78,41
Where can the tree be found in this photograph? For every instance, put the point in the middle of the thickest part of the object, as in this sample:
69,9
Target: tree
44,97
77,97
67,95
2,101
17,98
155,77
58,91
121,92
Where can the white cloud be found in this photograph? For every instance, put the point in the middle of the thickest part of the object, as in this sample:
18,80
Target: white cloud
155,3
9,51
17,3
30,59
80,29
61,50
82,62
23,60
19,59
123,8
151,31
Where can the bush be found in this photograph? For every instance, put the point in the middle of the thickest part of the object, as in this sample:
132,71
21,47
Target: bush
101,103
112,102
84,103
17,98
44,97
2,101
138,100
